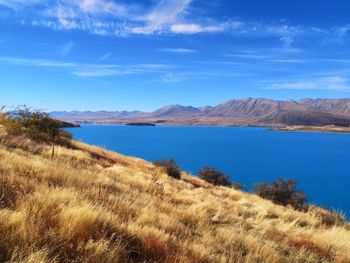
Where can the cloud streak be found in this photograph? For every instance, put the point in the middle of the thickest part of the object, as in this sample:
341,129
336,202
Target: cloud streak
105,56
87,70
112,18
164,72
178,50
67,48
335,83
194,28
101,72
171,77
165,13
19,3
36,62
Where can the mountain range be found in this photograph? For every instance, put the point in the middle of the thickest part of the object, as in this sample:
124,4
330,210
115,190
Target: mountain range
248,111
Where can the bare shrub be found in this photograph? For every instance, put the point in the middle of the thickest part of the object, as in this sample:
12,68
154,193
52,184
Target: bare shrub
328,218
236,185
332,218
213,176
282,192
170,167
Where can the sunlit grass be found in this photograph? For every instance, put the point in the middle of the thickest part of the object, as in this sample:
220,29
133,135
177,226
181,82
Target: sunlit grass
88,204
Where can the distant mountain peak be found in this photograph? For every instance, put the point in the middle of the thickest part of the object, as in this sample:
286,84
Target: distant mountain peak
176,110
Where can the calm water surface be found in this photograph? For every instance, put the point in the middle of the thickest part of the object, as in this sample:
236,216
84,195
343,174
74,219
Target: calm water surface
320,162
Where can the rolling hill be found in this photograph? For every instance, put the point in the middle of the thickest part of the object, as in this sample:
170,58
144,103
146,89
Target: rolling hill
90,205
311,118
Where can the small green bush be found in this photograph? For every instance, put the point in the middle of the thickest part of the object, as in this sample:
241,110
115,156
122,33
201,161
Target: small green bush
213,176
35,125
170,167
282,192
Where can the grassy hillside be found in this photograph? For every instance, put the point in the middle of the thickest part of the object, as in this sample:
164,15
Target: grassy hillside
90,205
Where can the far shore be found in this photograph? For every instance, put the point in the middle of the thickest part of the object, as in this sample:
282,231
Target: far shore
288,128
327,128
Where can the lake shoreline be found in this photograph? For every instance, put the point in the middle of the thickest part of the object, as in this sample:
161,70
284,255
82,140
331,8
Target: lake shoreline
278,128
304,128
248,154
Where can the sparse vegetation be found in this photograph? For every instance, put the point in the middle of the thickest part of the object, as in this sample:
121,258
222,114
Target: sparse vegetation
236,185
329,217
282,192
91,205
35,125
213,176
170,167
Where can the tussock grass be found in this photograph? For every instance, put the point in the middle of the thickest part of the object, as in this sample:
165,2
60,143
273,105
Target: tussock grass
88,204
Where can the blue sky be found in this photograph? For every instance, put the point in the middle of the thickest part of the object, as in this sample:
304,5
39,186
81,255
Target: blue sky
140,55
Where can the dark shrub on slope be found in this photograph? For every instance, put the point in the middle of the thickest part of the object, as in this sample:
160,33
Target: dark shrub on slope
170,167
213,176
282,192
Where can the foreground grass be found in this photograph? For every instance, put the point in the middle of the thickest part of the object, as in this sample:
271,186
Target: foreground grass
90,205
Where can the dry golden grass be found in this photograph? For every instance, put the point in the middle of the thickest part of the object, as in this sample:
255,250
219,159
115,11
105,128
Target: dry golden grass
91,205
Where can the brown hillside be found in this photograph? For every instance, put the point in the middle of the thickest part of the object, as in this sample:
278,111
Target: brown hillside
90,205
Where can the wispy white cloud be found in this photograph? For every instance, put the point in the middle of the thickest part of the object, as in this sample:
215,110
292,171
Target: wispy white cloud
105,56
171,77
287,41
165,13
100,7
249,56
120,18
336,60
163,72
36,62
178,50
107,17
275,55
101,72
117,70
212,27
151,66
282,58
66,17
184,75
67,48
340,33
327,83
286,33
300,85
87,70
290,60
194,28
44,23
20,3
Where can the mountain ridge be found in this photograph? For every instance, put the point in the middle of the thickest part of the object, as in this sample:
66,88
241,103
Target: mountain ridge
247,111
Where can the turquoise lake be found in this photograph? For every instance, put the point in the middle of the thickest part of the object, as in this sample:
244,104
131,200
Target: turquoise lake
320,162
